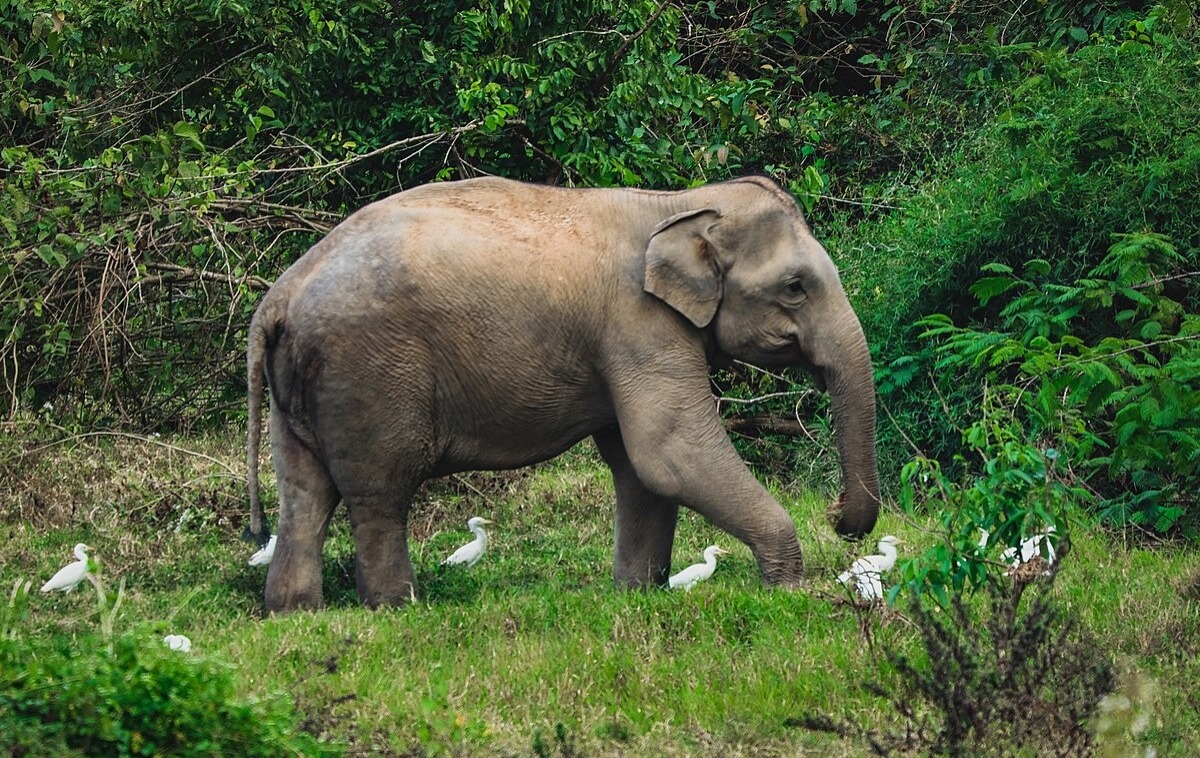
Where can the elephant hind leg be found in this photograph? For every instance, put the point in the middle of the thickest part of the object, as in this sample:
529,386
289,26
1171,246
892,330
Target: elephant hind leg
307,499
645,524
383,567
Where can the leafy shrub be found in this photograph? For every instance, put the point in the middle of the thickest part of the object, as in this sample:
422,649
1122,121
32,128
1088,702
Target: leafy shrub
1011,490
1083,145
129,695
998,678
1104,369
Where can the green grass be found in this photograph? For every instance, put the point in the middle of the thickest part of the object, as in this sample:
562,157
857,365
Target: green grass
493,658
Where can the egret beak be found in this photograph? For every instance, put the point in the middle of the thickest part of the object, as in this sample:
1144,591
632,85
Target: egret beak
486,522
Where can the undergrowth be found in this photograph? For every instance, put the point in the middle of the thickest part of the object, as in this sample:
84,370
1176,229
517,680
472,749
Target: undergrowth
1104,370
102,692
997,679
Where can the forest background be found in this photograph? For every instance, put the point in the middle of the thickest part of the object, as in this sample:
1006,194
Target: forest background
1009,190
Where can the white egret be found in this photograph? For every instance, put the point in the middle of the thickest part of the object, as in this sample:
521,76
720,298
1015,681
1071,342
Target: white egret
71,574
698,572
265,554
178,642
469,554
866,573
869,586
1037,546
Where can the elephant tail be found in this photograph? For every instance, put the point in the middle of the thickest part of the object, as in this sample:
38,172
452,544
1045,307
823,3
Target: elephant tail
256,351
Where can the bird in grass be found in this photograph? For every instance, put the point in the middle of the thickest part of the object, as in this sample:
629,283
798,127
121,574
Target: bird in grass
71,574
1037,546
469,554
178,642
265,554
698,572
866,573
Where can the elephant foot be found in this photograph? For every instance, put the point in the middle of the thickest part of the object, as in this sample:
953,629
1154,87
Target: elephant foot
781,566
393,595
286,600
641,581
293,580
789,584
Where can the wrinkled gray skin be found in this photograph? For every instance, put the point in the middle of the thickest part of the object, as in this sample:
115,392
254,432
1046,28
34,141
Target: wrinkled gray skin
489,324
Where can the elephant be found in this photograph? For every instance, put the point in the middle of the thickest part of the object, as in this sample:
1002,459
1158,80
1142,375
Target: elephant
489,324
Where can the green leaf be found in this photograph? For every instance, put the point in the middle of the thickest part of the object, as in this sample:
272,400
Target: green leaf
990,287
189,132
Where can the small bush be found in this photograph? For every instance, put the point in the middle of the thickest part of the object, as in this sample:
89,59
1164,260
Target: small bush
1011,493
992,679
130,695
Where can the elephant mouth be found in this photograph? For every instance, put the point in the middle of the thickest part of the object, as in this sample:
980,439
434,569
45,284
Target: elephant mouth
813,370
786,352
818,377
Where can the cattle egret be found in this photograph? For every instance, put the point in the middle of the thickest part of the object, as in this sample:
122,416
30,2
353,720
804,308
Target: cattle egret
71,574
866,572
263,557
698,572
469,554
178,642
1037,546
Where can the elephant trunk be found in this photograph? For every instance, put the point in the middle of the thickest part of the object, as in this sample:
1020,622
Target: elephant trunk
850,382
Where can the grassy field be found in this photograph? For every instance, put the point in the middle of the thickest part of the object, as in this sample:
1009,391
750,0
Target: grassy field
533,651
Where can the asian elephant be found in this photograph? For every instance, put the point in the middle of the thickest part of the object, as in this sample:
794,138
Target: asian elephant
491,324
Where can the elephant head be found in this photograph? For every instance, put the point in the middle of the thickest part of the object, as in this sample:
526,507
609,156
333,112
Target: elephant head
744,267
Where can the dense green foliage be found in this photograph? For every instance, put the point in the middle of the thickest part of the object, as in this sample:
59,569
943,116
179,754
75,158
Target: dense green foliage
1105,151
128,695
1121,405
163,163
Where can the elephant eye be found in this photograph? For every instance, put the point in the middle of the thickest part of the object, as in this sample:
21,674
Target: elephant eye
795,287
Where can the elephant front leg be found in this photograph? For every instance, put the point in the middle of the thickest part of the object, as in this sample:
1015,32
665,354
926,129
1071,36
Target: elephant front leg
680,452
645,523
383,568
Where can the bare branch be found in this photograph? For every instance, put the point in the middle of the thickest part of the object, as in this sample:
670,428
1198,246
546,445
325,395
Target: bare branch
429,137
564,35
766,423
173,272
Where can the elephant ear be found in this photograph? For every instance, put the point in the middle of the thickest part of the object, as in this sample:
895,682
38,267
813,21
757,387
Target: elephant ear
681,265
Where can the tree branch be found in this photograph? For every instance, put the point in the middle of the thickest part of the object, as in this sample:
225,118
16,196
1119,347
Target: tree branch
172,272
764,423
602,80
